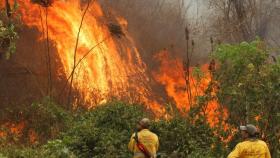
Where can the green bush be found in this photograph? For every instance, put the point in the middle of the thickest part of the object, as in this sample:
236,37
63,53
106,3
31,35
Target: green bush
104,131
56,149
248,86
179,136
53,149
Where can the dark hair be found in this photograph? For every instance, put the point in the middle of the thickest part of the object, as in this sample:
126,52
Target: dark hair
255,135
145,126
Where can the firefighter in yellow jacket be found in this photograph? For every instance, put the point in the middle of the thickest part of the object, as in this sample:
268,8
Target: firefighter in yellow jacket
251,147
144,143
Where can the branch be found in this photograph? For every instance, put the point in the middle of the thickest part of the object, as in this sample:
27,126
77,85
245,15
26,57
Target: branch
80,60
75,52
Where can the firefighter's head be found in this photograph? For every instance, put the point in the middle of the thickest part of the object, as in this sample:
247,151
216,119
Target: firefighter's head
144,124
249,131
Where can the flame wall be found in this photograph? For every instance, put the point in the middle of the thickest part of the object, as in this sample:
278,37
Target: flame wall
113,68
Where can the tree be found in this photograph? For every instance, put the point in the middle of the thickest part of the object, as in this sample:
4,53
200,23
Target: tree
248,86
8,34
243,20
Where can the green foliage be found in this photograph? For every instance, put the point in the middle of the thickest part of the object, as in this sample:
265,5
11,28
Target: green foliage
106,130
8,33
8,38
46,118
57,149
53,149
17,152
2,156
197,73
103,131
184,138
249,86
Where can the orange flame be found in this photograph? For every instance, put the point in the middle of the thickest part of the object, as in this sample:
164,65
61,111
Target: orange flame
12,128
114,66
171,75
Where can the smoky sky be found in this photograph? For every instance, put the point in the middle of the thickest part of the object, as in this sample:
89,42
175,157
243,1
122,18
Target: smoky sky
159,24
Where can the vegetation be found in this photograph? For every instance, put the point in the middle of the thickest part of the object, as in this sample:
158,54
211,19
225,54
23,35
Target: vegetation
246,83
106,130
249,83
8,37
8,33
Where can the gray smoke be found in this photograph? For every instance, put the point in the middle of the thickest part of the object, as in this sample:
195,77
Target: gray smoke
160,24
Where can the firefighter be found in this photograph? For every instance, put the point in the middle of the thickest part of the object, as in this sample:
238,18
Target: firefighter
144,143
251,147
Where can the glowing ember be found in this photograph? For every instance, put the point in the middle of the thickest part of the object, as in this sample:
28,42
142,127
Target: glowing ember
12,128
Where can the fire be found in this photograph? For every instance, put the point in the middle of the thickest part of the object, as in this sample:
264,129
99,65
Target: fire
12,128
171,76
113,68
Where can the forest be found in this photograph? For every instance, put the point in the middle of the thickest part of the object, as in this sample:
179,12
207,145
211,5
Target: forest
77,76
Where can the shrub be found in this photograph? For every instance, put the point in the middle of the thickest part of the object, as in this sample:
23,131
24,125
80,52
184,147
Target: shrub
104,131
45,119
248,87
184,138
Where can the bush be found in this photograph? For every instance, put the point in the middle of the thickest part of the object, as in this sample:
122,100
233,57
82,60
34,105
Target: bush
248,87
53,149
104,131
184,138
45,119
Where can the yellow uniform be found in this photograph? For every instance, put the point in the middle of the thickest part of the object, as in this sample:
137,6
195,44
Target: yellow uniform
250,149
148,139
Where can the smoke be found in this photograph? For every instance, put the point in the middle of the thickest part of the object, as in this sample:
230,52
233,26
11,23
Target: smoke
160,24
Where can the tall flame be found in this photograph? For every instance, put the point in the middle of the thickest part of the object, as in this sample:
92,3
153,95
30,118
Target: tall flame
114,67
172,76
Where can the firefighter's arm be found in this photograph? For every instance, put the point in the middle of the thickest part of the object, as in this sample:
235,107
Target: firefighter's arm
157,143
235,153
267,153
131,144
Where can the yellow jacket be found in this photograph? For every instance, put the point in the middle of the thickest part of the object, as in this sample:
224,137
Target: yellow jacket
148,139
250,149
